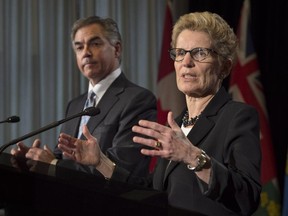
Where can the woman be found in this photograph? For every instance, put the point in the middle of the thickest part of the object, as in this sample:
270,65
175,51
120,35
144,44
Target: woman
209,157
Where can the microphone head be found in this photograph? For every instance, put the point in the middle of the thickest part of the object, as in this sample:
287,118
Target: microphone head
13,119
91,111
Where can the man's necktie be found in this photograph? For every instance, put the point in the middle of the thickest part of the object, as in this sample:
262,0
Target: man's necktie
91,100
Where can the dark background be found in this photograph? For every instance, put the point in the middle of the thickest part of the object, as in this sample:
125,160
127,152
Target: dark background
270,38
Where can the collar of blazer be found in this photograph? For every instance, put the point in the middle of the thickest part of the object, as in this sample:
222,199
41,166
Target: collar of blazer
204,124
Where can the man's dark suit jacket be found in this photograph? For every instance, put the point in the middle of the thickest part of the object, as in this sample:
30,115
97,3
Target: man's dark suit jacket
228,132
121,107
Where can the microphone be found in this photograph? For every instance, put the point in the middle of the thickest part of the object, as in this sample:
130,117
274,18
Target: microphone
11,119
90,111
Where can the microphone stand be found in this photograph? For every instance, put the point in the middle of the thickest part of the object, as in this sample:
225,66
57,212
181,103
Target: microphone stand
89,111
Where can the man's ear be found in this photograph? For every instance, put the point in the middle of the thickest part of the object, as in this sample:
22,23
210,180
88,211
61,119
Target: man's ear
118,49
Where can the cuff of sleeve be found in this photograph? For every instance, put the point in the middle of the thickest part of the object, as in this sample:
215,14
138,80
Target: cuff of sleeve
120,174
54,161
52,167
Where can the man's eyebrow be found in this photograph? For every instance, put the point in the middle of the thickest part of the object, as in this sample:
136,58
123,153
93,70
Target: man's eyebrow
89,41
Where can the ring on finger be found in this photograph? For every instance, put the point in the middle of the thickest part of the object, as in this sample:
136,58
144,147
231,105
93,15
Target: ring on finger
158,144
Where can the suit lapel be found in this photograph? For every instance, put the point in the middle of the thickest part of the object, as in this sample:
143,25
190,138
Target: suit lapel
107,102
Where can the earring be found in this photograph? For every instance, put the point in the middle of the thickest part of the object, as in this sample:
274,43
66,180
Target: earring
221,76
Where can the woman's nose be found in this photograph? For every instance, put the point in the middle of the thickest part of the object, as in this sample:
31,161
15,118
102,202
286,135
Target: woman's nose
188,61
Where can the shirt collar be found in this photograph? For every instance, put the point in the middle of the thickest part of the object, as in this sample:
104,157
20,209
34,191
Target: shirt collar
101,87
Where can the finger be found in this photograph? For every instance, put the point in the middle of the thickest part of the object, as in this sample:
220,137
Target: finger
13,151
67,137
67,140
30,154
63,141
152,125
67,155
46,148
64,148
146,131
144,141
22,147
36,143
171,122
63,135
87,134
20,150
152,153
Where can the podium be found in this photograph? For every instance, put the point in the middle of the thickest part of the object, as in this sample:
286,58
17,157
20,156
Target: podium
35,192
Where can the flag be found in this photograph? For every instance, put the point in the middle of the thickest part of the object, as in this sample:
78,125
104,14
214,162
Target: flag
245,86
169,98
285,195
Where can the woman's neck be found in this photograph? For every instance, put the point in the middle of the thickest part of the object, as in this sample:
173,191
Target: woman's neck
197,105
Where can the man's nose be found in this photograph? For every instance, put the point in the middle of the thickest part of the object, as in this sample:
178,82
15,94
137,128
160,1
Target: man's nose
87,51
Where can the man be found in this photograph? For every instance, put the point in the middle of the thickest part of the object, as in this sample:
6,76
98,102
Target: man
98,47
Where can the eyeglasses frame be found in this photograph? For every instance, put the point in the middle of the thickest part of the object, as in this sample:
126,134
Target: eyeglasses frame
190,51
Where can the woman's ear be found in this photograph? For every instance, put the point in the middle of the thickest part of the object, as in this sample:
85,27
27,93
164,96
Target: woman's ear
225,69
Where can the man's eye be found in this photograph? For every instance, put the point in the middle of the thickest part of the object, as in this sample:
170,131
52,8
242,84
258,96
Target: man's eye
78,48
95,44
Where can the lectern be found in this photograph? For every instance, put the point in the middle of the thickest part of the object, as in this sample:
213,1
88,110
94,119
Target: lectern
26,191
